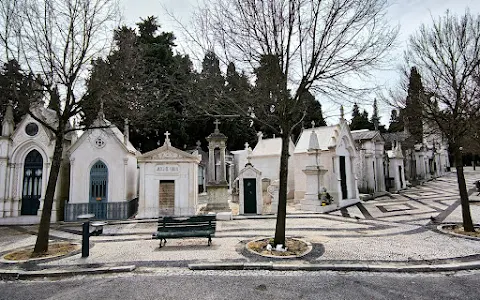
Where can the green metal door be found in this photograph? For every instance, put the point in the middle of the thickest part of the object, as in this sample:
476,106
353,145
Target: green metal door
32,183
98,190
250,195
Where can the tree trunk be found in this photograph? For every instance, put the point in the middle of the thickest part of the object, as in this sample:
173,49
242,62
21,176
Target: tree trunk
466,216
41,244
282,193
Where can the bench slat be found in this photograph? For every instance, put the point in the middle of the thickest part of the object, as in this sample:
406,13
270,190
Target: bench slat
179,227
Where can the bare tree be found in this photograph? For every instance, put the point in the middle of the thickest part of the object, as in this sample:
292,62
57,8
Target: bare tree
56,40
317,46
447,55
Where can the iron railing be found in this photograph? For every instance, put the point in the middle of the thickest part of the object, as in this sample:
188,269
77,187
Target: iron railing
102,211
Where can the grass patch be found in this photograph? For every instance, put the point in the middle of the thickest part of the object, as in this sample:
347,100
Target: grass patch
54,249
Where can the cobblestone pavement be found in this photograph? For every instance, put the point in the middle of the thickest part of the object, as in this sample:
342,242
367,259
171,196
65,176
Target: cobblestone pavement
390,229
435,199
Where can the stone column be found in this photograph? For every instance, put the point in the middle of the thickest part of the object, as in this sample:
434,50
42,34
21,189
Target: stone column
314,184
222,177
125,181
211,164
17,186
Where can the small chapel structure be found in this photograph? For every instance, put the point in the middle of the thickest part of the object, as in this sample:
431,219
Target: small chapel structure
25,161
168,182
336,154
266,158
371,163
103,170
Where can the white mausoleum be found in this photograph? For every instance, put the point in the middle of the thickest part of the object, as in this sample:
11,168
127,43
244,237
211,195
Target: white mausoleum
371,164
337,154
168,182
103,165
266,158
25,162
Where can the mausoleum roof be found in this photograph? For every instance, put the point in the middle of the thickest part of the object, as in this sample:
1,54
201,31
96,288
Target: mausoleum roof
267,147
326,136
364,134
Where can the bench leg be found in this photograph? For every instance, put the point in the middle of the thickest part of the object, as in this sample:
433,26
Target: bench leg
209,240
164,242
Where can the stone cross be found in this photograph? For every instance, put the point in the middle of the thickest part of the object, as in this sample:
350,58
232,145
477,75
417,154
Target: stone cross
167,139
246,145
313,124
217,122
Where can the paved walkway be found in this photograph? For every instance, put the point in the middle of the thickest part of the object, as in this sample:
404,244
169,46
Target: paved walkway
392,231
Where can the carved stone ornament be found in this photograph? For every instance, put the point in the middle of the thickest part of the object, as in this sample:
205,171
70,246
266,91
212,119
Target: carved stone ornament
97,139
166,155
99,142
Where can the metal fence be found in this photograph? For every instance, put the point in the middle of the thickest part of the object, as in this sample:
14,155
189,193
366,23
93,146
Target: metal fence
102,211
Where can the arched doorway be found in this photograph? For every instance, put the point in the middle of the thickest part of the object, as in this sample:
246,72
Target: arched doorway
32,183
98,190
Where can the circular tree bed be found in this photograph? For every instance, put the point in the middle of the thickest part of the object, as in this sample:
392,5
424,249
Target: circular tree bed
457,229
54,250
294,248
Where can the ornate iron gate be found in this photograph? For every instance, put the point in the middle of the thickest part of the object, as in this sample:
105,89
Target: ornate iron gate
32,183
99,189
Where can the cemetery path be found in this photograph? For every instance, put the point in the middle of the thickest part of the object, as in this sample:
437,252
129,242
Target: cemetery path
395,232
433,202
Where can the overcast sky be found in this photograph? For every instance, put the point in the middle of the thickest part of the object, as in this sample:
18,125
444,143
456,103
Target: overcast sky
409,14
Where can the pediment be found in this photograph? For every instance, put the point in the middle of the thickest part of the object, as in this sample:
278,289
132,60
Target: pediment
167,152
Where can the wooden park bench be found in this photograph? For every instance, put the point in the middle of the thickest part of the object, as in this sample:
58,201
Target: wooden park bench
182,227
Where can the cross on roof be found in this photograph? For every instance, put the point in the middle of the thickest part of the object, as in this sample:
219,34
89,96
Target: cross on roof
313,124
167,139
217,122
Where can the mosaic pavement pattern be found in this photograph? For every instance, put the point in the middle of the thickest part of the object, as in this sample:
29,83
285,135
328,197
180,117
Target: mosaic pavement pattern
420,205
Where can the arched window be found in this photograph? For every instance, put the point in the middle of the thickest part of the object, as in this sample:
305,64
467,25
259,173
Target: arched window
98,182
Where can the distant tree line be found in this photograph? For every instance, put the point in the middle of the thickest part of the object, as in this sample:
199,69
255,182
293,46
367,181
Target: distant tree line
156,89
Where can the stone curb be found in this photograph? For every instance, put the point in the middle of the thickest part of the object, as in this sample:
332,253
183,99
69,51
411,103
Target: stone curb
461,266
20,274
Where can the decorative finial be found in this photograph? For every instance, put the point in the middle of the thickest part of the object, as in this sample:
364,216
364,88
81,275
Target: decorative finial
101,115
167,139
342,113
246,146
313,124
199,144
249,161
217,122
249,157
260,136
126,132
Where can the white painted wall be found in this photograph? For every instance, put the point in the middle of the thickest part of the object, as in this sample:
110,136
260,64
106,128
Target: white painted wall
186,181
121,164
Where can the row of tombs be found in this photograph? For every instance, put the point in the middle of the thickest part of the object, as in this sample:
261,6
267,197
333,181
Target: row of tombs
102,173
